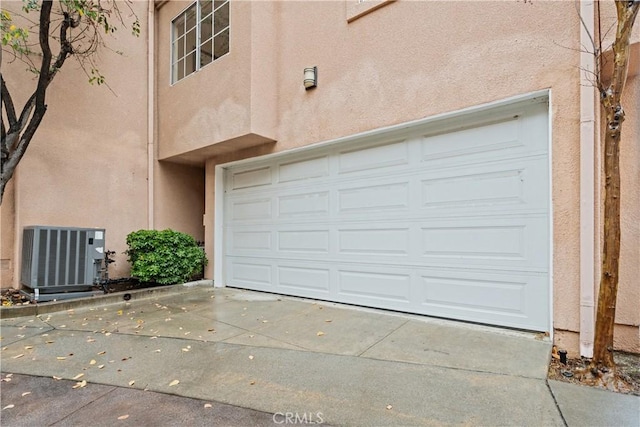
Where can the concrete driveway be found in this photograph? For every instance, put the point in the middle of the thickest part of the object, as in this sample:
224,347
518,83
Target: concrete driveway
262,359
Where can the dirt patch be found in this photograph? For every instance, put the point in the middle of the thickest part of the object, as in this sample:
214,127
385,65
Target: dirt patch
13,297
625,378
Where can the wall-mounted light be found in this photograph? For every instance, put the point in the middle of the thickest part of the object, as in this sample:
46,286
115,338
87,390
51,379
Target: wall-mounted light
310,77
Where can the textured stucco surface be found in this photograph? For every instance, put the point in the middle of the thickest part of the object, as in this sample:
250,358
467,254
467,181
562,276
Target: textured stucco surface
86,165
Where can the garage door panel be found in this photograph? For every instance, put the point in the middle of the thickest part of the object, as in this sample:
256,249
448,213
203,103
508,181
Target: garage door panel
303,241
315,203
518,243
509,299
303,279
253,274
251,178
374,241
451,224
364,199
239,241
369,158
456,146
512,185
377,286
521,134
250,209
303,170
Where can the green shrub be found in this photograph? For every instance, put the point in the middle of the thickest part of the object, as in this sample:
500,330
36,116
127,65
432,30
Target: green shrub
165,257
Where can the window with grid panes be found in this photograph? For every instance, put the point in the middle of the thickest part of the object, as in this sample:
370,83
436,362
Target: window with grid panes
199,36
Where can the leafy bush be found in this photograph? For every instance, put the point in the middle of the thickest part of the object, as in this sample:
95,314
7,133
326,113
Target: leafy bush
165,257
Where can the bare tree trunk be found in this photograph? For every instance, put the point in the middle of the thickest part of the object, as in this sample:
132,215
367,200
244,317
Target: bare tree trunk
611,103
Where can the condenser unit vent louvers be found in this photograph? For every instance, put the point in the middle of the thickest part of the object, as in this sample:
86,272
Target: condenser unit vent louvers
61,258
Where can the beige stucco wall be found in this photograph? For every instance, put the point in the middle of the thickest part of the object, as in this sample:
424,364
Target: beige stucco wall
231,99
86,165
179,198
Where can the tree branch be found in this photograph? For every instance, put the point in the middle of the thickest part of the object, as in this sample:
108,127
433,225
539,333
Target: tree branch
45,70
66,48
8,103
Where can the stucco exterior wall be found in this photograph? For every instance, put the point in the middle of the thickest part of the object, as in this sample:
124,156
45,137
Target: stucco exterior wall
86,165
179,199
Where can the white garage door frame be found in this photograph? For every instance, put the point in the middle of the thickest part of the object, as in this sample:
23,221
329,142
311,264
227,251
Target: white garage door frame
441,123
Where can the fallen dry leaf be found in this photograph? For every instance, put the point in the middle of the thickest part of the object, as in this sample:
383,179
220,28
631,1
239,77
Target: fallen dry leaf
101,353
28,347
320,333
90,340
389,407
26,393
8,407
61,357
92,362
78,376
250,357
49,342
132,382
101,366
57,378
207,405
174,382
157,351
18,356
185,349
252,383
81,384
123,417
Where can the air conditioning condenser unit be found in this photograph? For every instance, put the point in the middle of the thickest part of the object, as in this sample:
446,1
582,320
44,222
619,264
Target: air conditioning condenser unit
61,262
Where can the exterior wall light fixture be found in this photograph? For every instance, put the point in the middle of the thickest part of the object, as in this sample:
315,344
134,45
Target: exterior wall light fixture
310,77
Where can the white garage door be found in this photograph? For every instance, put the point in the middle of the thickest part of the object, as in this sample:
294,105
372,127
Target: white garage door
447,219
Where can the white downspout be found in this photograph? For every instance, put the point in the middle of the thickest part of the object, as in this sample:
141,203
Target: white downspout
150,112
587,180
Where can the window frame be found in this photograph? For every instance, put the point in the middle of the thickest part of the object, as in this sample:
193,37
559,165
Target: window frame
174,60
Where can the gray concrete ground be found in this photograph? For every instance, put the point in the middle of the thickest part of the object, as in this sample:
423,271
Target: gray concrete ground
261,359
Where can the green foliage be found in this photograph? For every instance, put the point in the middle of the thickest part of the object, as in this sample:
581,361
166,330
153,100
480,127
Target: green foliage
87,19
164,257
12,35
